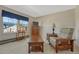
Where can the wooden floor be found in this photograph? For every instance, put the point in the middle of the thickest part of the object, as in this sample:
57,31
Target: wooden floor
21,47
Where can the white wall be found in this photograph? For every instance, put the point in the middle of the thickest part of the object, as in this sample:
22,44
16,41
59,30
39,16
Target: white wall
0,25
77,25
61,19
4,36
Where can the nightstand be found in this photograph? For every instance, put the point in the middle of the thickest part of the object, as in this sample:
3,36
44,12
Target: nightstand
51,35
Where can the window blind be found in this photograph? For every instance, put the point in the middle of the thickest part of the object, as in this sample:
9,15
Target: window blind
15,16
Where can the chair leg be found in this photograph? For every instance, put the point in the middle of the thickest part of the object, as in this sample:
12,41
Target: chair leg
72,45
72,49
56,50
56,46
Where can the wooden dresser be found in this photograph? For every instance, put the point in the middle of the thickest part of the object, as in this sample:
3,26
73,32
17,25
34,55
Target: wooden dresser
36,42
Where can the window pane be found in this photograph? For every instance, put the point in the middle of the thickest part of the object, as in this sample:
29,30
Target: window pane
9,24
24,23
5,22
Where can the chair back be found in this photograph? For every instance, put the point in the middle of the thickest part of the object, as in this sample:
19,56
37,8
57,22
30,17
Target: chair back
66,32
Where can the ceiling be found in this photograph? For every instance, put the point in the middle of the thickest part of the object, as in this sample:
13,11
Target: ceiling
40,10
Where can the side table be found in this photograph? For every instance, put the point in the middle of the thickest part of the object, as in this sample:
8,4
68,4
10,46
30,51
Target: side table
51,35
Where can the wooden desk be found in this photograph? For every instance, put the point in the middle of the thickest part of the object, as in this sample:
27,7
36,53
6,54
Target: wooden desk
36,45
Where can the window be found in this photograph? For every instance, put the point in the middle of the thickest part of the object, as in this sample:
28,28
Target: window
24,23
11,21
9,24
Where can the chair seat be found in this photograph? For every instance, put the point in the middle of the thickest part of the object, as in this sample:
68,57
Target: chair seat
64,47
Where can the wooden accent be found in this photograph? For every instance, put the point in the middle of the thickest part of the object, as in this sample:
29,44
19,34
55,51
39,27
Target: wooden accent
61,43
20,35
64,44
36,43
51,35
36,47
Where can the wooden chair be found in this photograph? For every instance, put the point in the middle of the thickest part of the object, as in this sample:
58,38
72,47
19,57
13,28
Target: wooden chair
20,33
64,44
64,41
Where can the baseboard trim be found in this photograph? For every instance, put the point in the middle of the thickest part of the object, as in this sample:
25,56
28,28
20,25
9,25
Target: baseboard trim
11,40
7,41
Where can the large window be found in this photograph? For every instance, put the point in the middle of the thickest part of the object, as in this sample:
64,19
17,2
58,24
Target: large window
11,21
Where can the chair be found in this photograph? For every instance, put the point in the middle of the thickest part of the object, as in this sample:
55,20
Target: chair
64,41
